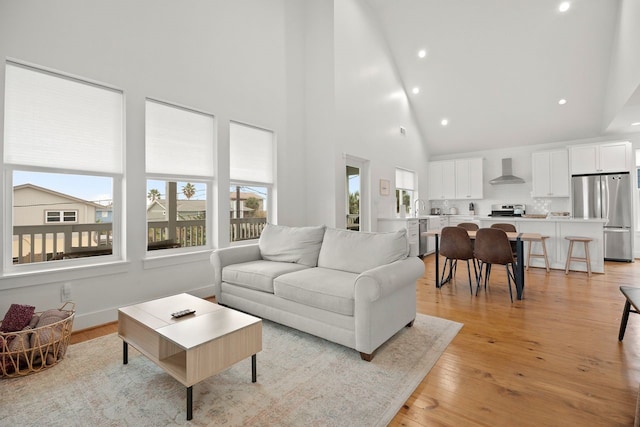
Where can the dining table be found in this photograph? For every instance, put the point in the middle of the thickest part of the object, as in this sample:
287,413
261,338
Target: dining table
517,237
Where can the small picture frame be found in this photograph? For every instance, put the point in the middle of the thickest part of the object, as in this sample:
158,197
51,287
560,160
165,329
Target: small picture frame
385,186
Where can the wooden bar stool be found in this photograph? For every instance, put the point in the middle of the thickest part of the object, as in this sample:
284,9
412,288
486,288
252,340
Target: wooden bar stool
570,257
538,255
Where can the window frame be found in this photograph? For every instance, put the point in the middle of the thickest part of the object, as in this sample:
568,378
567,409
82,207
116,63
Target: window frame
62,214
267,207
403,188
9,269
207,246
208,181
270,186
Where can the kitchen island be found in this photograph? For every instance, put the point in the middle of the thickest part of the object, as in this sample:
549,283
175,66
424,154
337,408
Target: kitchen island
557,228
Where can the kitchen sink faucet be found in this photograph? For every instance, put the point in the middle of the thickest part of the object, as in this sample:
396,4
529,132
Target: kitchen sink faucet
419,206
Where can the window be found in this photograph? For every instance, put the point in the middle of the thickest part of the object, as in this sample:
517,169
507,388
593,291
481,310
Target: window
251,173
405,180
179,165
63,151
61,216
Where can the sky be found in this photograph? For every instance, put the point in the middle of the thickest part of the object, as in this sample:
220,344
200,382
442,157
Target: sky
99,189
92,188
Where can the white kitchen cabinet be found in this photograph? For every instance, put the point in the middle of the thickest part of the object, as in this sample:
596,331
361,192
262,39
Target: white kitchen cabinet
395,224
442,180
468,178
550,170
601,158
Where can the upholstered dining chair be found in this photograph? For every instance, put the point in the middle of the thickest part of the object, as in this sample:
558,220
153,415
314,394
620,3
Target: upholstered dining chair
455,245
509,228
470,226
492,246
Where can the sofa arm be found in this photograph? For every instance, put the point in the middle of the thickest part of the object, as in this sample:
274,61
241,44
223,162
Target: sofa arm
220,258
379,282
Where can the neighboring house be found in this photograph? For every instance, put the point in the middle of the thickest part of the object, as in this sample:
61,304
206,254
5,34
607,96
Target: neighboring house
244,210
187,209
34,205
104,214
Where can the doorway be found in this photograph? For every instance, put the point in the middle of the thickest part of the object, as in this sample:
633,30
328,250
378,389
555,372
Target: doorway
356,194
353,198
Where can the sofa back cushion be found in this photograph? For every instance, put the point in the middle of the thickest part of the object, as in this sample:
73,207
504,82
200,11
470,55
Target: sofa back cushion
291,244
356,252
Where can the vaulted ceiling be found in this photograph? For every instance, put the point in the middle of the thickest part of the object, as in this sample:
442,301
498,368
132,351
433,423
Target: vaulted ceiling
497,69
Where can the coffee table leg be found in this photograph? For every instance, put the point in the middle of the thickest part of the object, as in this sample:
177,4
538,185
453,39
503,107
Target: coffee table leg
125,353
254,369
189,403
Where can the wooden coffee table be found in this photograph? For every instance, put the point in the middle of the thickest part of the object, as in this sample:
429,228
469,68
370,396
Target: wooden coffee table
194,347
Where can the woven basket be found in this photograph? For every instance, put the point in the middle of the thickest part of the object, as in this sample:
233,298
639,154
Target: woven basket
36,349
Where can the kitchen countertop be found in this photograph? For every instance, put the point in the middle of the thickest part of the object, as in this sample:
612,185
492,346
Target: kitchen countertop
547,219
496,218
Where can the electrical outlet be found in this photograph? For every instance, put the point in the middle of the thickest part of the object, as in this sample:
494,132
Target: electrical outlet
65,292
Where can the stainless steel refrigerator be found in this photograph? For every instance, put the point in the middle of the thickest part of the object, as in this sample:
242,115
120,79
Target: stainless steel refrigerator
607,196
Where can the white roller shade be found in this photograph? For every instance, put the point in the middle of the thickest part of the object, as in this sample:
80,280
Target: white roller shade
55,121
251,154
404,179
178,141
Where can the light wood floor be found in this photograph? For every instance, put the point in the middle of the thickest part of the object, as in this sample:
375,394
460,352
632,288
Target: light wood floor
552,359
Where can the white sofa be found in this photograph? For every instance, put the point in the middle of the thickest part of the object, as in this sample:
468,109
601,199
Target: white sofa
353,288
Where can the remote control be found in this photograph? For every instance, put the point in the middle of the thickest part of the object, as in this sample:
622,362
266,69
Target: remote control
182,313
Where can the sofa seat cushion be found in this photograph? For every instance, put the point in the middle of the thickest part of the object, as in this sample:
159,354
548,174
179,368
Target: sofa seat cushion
357,251
259,274
323,288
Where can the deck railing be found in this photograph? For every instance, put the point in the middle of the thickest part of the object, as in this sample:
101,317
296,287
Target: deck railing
30,242
37,243
246,228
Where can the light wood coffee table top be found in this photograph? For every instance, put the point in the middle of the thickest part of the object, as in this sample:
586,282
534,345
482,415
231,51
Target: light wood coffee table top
194,347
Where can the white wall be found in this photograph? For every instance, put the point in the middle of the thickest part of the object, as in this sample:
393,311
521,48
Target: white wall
238,60
317,72
624,74
371,106
320,113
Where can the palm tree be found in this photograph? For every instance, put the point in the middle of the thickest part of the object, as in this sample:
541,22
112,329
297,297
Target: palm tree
153,195
189,190
252,203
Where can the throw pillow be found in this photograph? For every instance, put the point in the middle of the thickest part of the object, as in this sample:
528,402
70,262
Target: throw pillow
291,244
52,333
356,252
17,317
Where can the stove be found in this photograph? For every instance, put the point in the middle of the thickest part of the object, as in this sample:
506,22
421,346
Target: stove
509,210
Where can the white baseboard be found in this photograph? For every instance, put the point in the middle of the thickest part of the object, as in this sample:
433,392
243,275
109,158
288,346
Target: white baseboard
97,318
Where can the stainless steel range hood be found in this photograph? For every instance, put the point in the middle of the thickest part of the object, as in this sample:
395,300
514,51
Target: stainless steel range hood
507,176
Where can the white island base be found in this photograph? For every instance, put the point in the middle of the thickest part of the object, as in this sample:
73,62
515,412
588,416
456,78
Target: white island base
557,245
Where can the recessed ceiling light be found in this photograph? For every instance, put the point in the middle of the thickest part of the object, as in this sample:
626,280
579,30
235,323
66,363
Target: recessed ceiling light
444,122
422,53
562,101
415,90
564,6
635,124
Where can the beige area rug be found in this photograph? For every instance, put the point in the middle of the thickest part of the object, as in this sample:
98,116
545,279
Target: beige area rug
302,381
